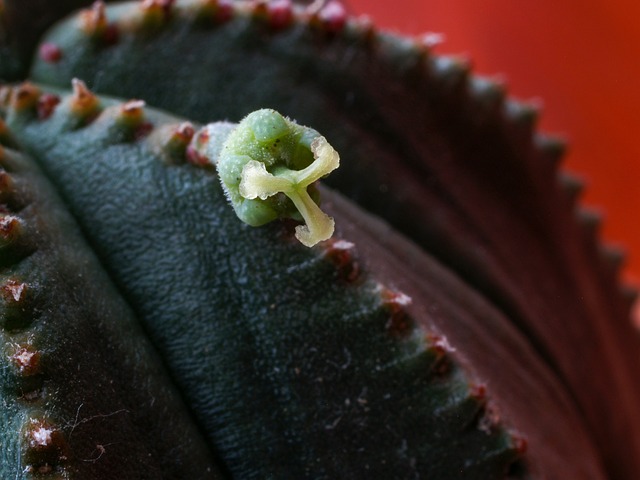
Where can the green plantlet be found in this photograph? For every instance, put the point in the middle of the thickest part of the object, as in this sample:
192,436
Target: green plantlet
267,155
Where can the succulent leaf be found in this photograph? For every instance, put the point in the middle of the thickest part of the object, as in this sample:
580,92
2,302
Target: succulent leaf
83,392
289,382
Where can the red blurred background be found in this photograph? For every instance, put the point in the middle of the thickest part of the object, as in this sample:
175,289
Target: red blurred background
581,58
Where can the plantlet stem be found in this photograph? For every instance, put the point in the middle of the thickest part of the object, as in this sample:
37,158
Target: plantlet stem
257,182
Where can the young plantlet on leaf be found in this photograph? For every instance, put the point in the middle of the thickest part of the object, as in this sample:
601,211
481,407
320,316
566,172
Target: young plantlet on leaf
268,166
362,351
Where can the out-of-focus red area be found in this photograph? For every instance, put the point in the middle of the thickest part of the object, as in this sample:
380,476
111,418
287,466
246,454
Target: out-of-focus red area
581,58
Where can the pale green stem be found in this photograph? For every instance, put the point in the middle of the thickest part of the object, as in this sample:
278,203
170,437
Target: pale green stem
319,226
257,182
326,161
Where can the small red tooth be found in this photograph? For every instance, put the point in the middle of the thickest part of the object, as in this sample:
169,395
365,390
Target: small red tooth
24,97
26,359
441,343
39,433
185,132
224,11
367,27
81,93
178,142
50,52
259,8
219,11
156,12
10,229
14,292
520,444
396,300
45,446
173,140
94,20
131,117
478,391
333,16
46,105
199,140
83,103
395,303
133,107
279,13
340,253
16,299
